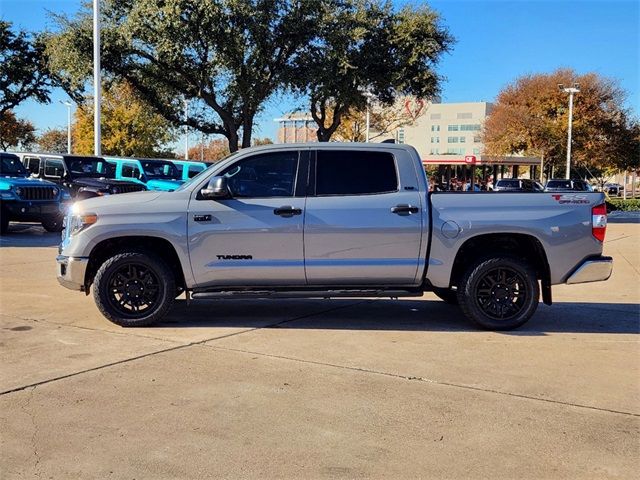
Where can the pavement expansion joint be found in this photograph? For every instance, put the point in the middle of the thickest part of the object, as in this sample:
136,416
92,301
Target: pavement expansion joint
426,380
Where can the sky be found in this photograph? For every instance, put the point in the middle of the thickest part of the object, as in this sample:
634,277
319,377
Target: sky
496,42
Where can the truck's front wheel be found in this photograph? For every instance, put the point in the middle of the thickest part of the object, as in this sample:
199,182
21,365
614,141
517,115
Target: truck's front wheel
499,293
134,289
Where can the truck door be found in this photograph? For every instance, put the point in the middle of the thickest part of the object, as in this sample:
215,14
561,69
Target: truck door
254,238
363,222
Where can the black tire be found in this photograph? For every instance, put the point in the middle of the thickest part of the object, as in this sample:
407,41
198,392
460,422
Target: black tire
4,223
499,293
447,295
134,289
52,224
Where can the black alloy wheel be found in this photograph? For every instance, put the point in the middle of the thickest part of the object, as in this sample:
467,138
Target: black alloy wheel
499,293
134,289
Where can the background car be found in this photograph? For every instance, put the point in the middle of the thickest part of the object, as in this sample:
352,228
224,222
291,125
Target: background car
517,185
565,185
159,175
614,189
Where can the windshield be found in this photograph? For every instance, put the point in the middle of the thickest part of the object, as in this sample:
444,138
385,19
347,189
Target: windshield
559,184
160,169
90,167
205,172
11,166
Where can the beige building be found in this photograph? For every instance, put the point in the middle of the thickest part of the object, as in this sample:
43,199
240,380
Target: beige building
296,127
447,129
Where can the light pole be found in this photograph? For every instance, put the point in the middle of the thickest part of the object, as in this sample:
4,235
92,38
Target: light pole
97,87
572,90
68,105
186,129
369,96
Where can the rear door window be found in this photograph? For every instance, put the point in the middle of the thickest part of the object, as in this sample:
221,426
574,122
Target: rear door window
347,172
53,168
130,170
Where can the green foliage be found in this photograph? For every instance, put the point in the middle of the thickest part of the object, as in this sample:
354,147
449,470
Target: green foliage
23,72
368,47
625,205
15,132
227,57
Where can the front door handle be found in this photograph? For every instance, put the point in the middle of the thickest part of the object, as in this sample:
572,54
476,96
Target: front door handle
404,209
287,211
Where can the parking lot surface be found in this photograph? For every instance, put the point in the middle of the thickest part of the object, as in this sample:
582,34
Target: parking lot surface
317,388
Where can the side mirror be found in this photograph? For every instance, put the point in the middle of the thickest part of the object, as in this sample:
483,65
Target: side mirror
216,189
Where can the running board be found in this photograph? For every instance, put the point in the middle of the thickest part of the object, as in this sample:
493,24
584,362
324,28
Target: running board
304,294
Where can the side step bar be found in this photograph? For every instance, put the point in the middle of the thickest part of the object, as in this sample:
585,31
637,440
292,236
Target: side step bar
304,294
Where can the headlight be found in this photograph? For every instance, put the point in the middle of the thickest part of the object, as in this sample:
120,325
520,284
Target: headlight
7,194
78,222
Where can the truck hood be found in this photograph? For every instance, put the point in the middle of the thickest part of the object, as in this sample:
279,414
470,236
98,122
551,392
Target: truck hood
164,185
6,182
98,182
128,200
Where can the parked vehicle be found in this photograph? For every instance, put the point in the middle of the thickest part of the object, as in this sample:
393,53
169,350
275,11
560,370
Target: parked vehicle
82,176
564,185
517,185
189,169
330,220
613,189
24,199
159,175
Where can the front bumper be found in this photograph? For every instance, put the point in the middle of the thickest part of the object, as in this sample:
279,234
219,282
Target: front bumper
594,269
71,271
32,210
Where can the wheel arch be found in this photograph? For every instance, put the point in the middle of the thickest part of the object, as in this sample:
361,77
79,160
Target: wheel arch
521,245
158,246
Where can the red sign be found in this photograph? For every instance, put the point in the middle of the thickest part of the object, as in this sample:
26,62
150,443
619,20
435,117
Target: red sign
470,159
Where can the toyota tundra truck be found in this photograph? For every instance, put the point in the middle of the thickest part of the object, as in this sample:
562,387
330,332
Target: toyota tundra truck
330,220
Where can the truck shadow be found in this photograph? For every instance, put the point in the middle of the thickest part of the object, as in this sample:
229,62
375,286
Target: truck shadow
398,315
28,235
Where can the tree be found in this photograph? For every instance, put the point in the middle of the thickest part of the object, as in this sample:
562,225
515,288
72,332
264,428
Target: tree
130,128
261,141
226,57
15,132
367,49
23,72
384,120
212,151
54,140
530,116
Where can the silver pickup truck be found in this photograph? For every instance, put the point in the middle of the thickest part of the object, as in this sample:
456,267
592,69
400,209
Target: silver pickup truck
330,220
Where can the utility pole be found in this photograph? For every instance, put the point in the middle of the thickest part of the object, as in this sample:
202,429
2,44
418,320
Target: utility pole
97,86
186,129
68,105
575,88
369,96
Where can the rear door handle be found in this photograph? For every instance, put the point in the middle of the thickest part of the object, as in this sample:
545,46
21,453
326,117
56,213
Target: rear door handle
404,209
287,211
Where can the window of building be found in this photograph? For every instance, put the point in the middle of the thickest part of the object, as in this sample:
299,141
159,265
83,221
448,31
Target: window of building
476,151
435,116
355,173
472,127
477,139
400,135
266,175
452,128
435,128
452,139
464,115
434,151
435,139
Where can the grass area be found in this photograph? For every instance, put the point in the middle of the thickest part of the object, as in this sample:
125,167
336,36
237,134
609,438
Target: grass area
630,204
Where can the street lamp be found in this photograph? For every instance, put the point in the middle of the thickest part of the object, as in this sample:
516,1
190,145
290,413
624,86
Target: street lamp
97,86
575,88
369,96
68,105
186,129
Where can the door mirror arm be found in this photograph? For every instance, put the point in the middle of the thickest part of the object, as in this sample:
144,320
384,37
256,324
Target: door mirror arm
216,189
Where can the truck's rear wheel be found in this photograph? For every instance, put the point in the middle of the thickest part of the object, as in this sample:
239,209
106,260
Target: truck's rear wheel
447,295
134,289
499,293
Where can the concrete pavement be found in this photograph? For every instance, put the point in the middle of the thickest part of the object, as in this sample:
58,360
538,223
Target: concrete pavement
317,389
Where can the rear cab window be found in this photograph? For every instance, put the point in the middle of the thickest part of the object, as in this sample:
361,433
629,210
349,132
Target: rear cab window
347,172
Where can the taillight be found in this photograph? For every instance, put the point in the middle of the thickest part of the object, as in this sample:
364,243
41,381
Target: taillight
599,221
